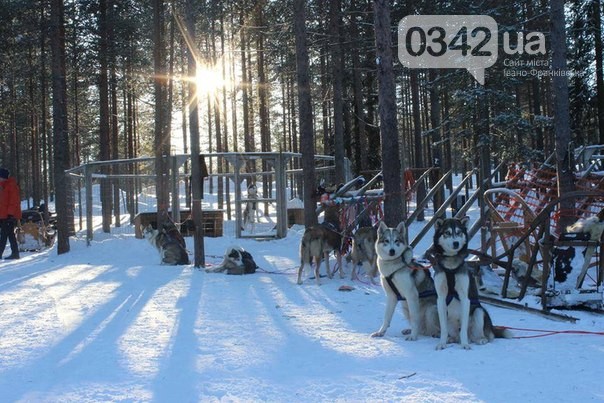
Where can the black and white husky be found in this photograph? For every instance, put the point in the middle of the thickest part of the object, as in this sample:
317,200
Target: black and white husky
461,316
170,250
403,281
236,261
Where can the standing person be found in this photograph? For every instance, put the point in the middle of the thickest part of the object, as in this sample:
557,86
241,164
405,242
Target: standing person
10,212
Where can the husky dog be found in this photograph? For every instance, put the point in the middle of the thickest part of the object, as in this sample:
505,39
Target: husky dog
567,258
594,226
403,282
251,213
318,242
170,250
363,251
172,231
461,317
236,261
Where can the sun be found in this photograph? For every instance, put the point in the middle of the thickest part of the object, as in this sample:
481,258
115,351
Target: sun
208,81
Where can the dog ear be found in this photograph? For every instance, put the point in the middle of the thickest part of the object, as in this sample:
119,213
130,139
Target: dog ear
438,223
464,221
383,227
401,227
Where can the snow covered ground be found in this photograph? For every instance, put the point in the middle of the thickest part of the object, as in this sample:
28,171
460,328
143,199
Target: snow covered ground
108,323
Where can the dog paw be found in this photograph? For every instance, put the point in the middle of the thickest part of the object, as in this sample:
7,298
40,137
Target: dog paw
406,331
411,337
441,346
466,347
482,341
377,334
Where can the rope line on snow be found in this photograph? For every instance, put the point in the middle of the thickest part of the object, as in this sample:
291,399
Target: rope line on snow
545,333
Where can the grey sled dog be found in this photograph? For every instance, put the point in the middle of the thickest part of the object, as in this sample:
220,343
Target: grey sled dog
363,251
170,250
461,316
414,287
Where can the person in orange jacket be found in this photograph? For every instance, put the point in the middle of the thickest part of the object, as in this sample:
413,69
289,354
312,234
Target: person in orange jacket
10,212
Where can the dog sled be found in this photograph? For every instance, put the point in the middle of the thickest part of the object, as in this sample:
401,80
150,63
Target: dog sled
561,265
34,234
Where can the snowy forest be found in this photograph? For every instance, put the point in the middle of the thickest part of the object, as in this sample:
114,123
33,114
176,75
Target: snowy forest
85,81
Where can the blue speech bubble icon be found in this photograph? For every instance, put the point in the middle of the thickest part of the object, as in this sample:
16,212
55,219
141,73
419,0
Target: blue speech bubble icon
448,42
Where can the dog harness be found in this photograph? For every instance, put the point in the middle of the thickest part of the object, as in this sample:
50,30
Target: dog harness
450,273
331,226
399,297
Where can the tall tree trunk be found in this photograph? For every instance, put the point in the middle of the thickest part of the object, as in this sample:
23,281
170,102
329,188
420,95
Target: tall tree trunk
245,99
338,102
76,95
391,164
417,137
217,123
162,136
305,114
44,134
35,140
104,126
196,162
360,136
263,104
325,116
597,16
114,117
564,163
448,160
227,187
60,123
435,139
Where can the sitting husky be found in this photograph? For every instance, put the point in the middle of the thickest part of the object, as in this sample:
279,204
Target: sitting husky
236,261
318,242
363,251
403,282
172,231
461,317
170,250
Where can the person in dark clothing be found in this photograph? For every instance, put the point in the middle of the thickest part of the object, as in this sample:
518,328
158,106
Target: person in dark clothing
10,212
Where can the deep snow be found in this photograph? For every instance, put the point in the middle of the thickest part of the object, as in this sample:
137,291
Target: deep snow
108,323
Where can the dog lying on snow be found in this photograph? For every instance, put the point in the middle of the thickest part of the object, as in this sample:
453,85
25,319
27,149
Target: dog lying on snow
363,251
236,261
461,316
318,242
171,251
403,282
